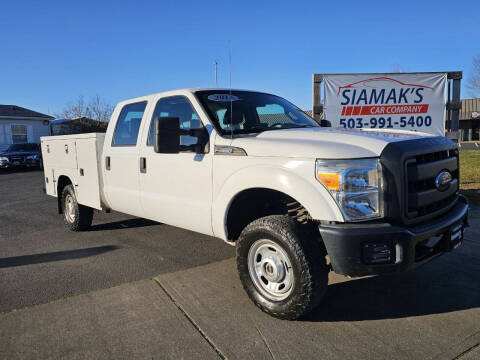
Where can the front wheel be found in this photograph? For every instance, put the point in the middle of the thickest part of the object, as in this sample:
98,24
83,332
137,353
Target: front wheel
281,266
77,217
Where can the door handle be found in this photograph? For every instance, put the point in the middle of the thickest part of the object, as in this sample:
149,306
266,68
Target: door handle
107,163
143,165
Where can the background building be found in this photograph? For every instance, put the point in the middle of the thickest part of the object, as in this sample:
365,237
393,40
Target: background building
20,125
470,120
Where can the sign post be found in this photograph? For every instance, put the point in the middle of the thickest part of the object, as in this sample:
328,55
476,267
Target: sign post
407,101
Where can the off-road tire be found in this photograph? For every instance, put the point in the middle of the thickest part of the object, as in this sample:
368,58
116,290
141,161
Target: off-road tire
307,258
83,214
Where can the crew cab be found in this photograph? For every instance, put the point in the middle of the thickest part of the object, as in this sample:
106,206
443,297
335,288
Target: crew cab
296,199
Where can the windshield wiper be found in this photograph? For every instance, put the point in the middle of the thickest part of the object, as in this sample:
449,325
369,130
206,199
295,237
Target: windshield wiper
295,126
259,129
253,129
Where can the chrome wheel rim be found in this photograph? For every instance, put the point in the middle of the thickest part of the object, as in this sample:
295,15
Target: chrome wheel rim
70,208
270,269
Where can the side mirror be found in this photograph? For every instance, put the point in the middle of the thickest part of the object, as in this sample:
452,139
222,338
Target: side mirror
325,123
167,135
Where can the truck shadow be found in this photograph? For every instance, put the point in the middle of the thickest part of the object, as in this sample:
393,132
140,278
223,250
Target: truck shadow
420,292
55,256
123,224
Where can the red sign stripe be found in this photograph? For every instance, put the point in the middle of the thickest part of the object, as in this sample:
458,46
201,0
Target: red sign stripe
385,109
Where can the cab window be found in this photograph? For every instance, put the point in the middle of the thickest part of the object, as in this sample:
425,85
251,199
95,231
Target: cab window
177,106
128,124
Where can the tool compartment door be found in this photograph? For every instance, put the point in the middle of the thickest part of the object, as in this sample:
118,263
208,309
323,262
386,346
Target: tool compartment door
88,184
58,156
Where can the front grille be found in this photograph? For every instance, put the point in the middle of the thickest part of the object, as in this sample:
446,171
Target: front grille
17,158
423,198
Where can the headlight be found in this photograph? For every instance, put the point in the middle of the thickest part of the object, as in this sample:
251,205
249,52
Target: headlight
32,157
356,186
3,158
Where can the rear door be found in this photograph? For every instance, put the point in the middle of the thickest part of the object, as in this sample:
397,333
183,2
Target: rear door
121,164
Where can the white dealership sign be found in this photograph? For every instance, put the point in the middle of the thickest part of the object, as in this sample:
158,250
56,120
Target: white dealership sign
409,101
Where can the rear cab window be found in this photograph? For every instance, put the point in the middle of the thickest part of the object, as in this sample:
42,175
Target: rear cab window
128,124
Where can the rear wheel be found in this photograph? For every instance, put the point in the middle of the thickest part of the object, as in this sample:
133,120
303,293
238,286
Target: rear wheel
282,266
77,217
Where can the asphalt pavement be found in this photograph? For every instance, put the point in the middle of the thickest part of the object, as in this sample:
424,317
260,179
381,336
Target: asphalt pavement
41,260
131,288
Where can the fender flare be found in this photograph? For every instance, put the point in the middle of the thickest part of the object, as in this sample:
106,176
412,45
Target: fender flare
311,195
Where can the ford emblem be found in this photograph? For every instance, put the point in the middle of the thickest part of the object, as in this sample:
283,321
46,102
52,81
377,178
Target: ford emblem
443,180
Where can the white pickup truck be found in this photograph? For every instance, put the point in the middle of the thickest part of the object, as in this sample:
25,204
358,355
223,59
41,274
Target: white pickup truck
297,199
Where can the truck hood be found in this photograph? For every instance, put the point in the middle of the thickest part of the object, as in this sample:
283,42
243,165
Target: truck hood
322,142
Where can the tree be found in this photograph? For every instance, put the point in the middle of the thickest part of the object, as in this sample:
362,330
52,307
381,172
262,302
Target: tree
96,109
473,82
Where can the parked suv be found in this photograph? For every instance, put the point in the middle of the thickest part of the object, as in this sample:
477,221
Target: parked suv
17,155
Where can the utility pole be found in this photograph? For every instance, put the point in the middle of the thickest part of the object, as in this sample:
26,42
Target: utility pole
216,78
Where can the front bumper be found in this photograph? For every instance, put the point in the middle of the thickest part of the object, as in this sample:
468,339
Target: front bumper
349,246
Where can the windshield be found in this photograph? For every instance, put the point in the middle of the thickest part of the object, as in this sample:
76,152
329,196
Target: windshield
22,147
251,112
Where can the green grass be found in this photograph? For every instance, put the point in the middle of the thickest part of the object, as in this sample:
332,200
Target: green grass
470,169
470,174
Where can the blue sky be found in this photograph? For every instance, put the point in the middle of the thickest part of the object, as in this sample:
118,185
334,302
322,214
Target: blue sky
54,51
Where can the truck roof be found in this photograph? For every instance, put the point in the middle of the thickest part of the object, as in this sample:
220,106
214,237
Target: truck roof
186,90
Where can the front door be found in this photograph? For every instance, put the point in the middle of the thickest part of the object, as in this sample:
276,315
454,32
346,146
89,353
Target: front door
177,188
121,165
